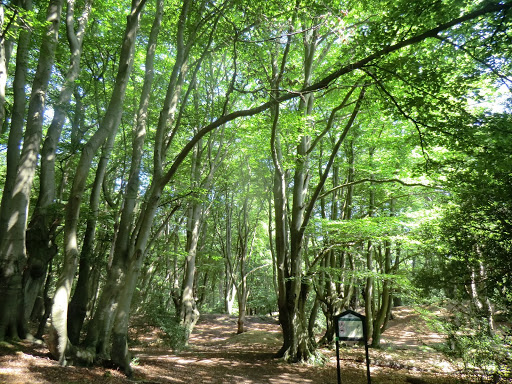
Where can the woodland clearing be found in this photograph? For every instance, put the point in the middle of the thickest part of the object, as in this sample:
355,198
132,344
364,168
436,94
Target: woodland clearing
216,354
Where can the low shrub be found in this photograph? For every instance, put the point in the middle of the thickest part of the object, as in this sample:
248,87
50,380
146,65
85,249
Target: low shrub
485,355
176,334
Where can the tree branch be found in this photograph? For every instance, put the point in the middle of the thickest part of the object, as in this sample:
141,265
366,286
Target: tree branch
403,113
366,180
506,79
326,81
330,121
321,183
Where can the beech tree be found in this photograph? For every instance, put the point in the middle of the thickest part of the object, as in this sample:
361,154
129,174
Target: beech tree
16,203
351,101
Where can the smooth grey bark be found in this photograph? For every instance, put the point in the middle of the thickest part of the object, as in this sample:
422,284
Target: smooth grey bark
298,345
382,313
369,296
41,245
99,328
280,200
108,127
142,227
476,288
293,290
47,304
17,124
13,256
120,354
3,66
242,254
77,307
130,249
245,243
6,46
103,319
336,297
11,320
347,205
189,313
368,290
227,251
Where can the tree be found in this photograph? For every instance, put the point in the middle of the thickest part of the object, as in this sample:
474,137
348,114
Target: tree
41,231
13,255
109,126
323,84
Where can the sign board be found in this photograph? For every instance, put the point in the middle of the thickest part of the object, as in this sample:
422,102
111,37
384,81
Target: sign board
350,327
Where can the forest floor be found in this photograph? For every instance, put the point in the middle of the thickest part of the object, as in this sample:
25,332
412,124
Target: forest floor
217,355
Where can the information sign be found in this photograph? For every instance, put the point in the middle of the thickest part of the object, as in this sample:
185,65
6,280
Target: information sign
350,326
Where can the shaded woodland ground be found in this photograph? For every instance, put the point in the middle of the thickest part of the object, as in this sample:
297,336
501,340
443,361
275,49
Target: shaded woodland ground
216,354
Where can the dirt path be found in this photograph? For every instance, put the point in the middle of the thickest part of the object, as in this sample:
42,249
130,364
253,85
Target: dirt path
217,355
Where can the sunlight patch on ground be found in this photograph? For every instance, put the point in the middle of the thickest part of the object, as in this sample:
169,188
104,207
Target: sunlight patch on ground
207,362
287,378
9,371
183,361
161,373
217,355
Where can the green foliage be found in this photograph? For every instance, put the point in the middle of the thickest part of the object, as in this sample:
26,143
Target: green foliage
318,358
368,228
485,356
263,298
416,112
176,334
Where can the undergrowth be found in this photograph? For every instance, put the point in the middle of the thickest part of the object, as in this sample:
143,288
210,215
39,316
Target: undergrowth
484,355
176,334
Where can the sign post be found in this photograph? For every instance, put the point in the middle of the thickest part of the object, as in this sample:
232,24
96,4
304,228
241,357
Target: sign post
351,326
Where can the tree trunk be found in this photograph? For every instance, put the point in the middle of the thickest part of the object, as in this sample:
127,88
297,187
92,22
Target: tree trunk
41,245
3,67
230,292
77,307
312,322
47,304
17,123
293,291
189,313
13,256
100,325
368,292
123,255
383,312
120,354
108,127
479,299
335,298
243,294
246,235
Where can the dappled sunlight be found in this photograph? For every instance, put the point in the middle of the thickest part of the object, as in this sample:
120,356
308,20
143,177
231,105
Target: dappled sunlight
217,355
407,329
12,220
288,378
